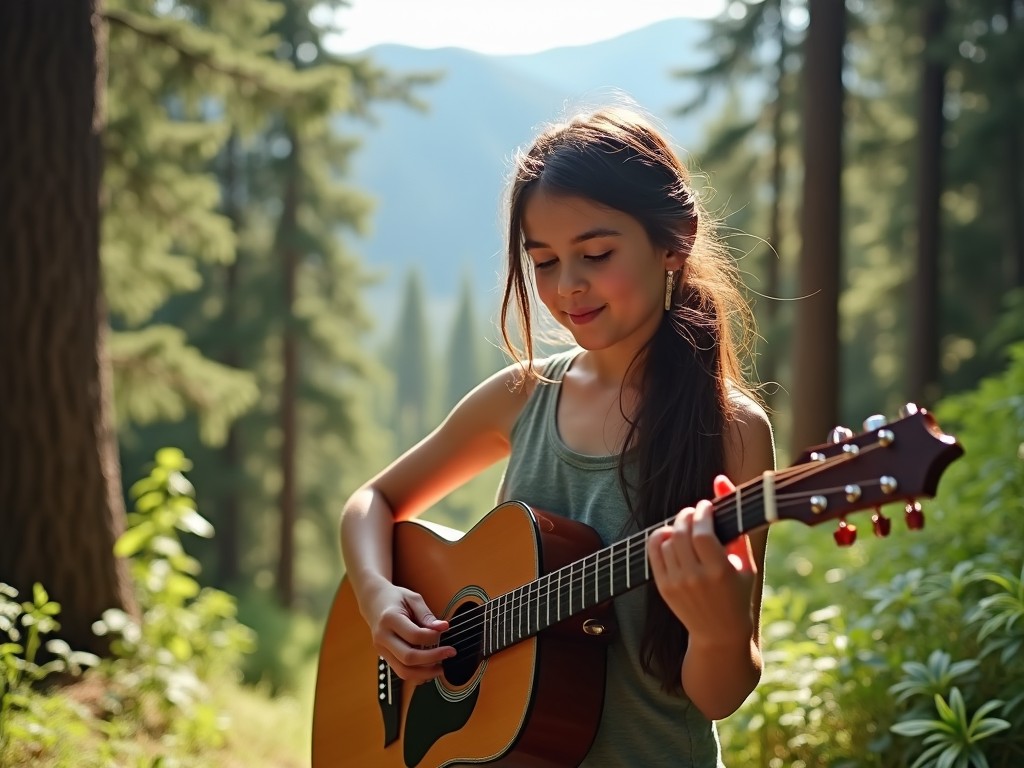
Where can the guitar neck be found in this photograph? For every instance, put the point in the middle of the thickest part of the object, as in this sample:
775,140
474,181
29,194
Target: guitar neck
610,572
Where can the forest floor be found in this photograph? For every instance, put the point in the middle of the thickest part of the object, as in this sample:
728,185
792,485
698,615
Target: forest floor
71,727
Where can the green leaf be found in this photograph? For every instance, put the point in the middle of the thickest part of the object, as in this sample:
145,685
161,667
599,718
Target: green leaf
179,585
193,522
915,727
134,540
173,459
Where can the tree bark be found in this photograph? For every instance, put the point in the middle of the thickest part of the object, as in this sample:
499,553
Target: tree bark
61,505
1014,166
229,518
290,383
925,334
816,333
768,370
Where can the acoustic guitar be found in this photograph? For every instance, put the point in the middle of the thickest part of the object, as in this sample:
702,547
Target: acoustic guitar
528,597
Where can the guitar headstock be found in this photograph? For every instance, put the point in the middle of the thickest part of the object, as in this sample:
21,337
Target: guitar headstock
890,461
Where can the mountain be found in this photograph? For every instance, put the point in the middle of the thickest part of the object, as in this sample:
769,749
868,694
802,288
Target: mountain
438,176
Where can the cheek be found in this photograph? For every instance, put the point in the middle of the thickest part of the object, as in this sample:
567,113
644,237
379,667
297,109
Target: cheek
546,284
633,284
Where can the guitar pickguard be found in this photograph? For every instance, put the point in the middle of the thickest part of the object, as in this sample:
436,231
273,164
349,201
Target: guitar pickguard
431,715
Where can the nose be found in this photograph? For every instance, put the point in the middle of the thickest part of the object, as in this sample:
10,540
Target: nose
570,278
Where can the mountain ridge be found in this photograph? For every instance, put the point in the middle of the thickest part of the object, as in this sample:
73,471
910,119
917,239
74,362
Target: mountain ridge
437,177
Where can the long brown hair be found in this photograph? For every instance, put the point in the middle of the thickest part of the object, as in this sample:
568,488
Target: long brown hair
616,158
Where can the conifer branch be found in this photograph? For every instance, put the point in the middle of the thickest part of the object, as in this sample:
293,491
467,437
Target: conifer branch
201,49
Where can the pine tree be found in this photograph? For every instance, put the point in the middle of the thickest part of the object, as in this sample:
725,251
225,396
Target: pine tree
924,337
61,508
816,330
256,95
410,364
463,370
753,43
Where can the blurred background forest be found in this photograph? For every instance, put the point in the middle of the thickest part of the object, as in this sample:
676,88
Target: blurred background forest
241,271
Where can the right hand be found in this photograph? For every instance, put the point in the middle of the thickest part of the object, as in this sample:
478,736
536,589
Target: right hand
406,634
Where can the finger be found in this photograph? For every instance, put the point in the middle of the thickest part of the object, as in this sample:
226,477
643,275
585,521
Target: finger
706,546
424,616
416,656
677,547
741,554
723,486
410,672
655,556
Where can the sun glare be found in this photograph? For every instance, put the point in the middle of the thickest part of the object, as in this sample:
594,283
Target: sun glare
497,26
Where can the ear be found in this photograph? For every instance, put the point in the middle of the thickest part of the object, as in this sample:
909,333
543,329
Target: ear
674,261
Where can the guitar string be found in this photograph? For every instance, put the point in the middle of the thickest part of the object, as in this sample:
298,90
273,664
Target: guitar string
471,622
519,603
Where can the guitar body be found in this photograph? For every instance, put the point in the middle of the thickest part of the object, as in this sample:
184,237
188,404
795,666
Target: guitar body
527,595
535,703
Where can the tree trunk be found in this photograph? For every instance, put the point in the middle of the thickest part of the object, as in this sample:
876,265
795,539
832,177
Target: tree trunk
229,517
61,508
924,305
816,332
1014,167
289,386
768,371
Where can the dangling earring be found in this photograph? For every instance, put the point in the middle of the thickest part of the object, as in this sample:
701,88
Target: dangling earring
670,281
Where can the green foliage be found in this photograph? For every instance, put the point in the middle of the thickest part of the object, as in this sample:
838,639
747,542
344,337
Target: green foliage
162,378
158,682
907,650
23,627
189,633
412,415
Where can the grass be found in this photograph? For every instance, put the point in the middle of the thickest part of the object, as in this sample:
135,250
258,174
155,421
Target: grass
70,727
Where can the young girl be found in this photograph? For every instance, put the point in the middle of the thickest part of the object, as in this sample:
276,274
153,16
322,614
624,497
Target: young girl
641,421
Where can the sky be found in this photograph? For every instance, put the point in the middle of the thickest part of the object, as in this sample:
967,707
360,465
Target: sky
500,26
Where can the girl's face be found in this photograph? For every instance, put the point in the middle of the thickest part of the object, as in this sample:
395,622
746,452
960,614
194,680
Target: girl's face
596,270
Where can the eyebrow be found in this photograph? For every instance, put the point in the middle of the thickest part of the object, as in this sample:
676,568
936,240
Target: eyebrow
590,234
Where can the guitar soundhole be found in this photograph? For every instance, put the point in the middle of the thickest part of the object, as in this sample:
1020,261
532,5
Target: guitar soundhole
465,634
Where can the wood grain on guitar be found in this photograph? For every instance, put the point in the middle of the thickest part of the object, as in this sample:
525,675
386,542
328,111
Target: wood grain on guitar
527,594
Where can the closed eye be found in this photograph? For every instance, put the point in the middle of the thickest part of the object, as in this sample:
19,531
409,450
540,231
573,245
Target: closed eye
545,264
598,257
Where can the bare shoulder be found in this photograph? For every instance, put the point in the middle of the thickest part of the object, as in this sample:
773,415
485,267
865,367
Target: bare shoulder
749,440
498,400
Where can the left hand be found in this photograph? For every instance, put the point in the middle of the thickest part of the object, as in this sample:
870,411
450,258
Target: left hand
707,586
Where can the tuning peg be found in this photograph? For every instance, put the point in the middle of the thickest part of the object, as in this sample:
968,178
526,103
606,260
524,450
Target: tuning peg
914,515
845,534
880,523
838,434
909,409
877,421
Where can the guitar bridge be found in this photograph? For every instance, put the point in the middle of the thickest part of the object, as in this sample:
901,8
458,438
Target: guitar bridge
389,697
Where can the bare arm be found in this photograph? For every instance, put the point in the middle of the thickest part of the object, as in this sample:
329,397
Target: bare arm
716,590
473,437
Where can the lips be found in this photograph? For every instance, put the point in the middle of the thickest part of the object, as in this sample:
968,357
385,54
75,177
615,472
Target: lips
582,317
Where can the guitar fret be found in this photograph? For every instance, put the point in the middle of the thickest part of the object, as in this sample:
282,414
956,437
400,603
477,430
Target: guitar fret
570,587
518,608
504,620
559,592
629,581
647,563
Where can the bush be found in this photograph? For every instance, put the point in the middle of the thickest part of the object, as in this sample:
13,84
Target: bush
905,651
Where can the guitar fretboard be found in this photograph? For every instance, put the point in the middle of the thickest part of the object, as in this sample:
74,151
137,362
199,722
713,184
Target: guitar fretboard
607,573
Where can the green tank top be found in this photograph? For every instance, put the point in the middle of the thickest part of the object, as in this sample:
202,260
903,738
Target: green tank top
641,726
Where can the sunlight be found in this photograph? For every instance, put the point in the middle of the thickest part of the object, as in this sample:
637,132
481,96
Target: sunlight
496,26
